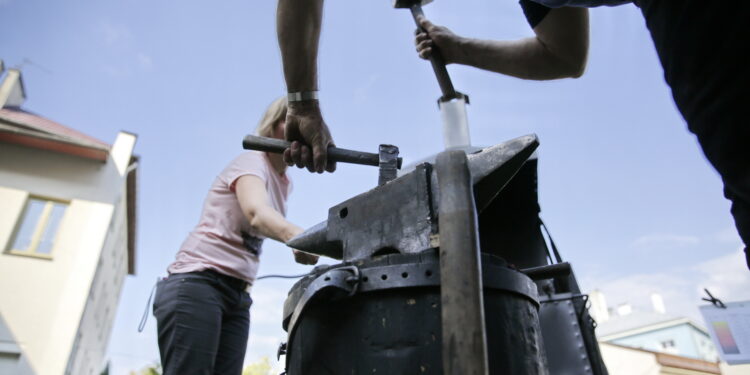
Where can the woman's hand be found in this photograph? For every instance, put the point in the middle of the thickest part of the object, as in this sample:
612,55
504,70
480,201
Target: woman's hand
302,257
430,36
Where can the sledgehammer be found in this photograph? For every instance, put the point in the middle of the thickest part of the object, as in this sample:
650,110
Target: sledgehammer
436,59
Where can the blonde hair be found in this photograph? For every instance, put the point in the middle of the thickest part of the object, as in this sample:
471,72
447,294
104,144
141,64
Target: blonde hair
275,113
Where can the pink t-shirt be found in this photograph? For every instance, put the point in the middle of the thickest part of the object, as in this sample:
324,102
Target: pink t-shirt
216,243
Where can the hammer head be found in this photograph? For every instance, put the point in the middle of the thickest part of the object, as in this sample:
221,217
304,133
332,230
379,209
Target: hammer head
409,3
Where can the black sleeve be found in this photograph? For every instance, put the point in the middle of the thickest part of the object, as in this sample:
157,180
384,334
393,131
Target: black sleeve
534,12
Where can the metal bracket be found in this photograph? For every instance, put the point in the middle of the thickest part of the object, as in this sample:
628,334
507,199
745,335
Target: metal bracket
281,350
341,279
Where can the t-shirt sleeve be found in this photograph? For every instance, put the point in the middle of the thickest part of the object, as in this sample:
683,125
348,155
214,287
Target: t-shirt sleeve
534,12
249,163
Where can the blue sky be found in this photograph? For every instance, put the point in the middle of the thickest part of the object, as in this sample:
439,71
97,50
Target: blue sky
623,186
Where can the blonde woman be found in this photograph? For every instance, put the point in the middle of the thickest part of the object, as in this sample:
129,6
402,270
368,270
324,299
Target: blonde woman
202,307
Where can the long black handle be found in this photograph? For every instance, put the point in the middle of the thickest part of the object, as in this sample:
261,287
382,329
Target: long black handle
437,61
254,142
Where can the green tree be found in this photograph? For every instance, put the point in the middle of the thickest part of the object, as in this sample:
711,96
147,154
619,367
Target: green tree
262,367
148,370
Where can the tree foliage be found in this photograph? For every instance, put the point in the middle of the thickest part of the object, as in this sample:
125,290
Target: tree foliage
148,370
261,367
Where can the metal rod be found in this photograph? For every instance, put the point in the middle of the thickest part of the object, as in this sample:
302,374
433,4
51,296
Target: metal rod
437,61
551,271
254,142
464,337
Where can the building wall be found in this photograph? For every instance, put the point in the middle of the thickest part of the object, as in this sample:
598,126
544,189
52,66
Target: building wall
704,346
683,336
58,175
734,369
621,361
87,354
43,299
49,307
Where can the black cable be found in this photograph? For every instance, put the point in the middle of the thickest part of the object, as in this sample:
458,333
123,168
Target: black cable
558,258
282,276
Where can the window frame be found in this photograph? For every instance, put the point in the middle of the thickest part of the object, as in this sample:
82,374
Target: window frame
39,228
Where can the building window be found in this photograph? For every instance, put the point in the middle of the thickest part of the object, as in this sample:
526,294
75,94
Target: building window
37,228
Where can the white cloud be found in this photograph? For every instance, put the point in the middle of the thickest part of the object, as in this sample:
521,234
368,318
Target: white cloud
728,235
144,61
726,276
114,34
268,305
115,71
265,322
665,241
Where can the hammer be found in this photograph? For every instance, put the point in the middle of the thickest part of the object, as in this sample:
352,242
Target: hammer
386,159
436,59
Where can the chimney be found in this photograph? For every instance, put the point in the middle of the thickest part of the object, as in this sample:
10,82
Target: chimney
598,309
658,303
12,93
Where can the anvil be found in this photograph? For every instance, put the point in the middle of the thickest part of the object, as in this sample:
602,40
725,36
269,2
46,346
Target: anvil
401,216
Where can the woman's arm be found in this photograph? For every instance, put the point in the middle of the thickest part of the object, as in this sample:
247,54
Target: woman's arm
559,48
264,219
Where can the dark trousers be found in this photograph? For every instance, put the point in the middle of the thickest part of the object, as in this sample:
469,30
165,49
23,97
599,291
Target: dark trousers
203,321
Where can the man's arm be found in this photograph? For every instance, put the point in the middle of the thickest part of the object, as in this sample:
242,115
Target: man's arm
298,29
264,219
558,50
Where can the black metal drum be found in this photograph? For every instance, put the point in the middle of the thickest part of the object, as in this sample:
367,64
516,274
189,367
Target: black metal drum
382,316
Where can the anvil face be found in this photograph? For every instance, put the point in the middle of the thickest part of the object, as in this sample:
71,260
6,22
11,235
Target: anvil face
401,216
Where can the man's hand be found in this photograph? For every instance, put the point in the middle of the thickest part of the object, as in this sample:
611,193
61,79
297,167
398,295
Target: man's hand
309,136
437,36
302,257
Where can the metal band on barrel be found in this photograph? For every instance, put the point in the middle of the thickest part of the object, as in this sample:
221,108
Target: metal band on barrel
407,275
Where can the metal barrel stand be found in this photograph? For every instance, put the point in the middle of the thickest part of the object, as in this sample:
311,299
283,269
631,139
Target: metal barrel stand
392,325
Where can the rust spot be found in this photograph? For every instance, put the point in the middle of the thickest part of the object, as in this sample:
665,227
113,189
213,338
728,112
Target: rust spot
422,368
411,301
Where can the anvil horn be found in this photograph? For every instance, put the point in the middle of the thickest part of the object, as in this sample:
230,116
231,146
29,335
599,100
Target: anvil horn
492,168
315,241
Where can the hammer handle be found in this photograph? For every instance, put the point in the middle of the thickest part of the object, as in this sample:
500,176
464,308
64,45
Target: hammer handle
437,61
254,142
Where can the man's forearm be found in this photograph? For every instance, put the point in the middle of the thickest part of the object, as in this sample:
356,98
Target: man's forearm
298,29
526,58
559,48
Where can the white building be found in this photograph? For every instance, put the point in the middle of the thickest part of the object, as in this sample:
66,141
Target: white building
634,341
67,237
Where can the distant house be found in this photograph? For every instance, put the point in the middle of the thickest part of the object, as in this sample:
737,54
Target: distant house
653,342
659,333
626,360
67,239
